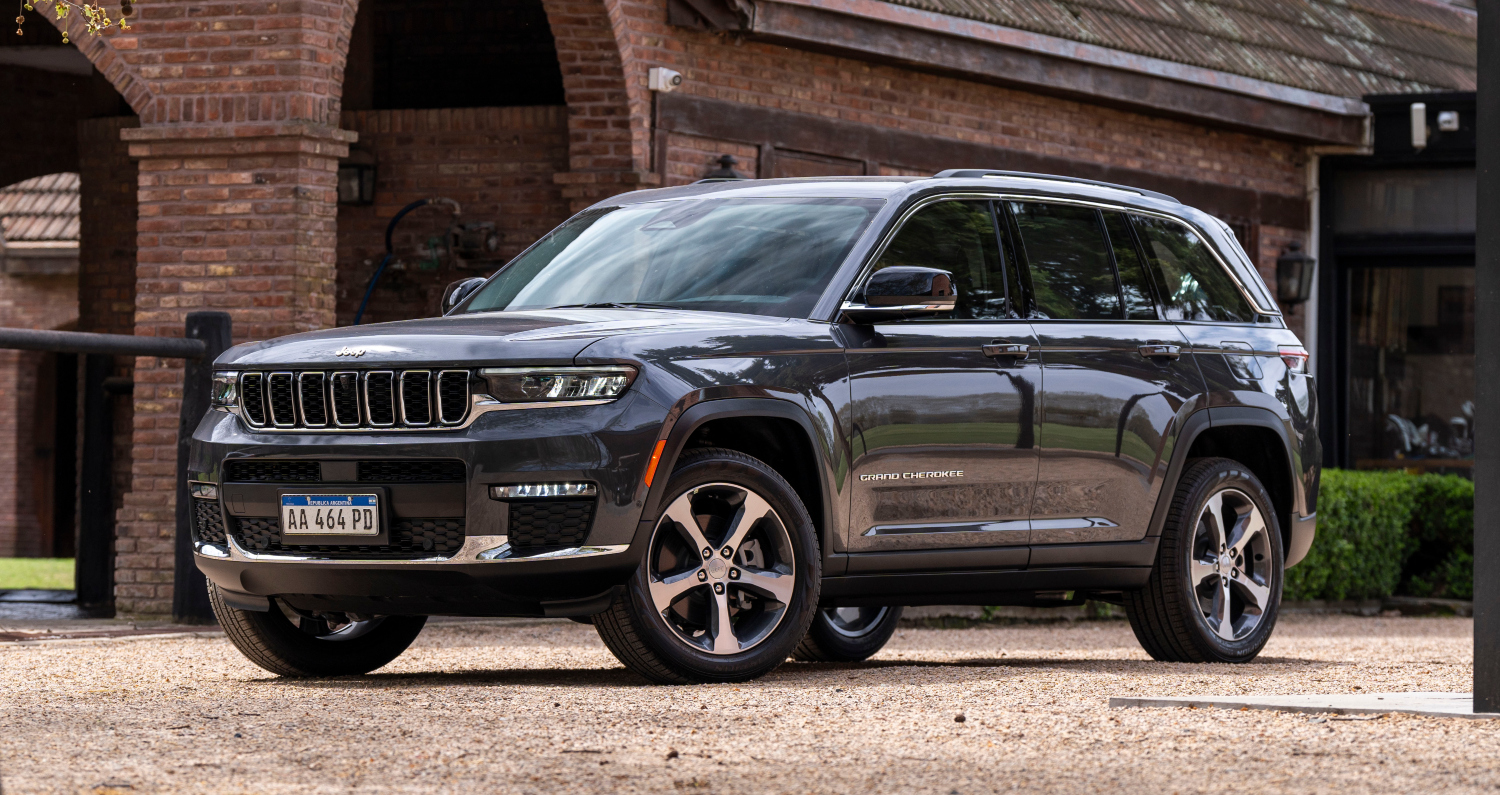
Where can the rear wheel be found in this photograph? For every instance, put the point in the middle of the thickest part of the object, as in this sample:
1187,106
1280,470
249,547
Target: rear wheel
287,642
1215,591
729,580
847,634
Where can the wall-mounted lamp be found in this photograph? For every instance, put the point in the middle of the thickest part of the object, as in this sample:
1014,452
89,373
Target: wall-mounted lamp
357,178
1294,275
725,172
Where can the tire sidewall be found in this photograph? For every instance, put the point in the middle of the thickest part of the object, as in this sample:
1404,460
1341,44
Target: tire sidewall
1210,481
771,652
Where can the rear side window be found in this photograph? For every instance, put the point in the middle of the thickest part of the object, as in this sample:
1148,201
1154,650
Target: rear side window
1072,277
1139,304
958,237
1192,283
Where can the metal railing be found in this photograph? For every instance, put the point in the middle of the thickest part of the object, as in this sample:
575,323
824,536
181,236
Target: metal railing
205,336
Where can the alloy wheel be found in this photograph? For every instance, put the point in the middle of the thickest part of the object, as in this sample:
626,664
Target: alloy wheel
1231,568
720,568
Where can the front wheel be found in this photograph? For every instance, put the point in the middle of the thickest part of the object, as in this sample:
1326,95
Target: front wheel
286,642
1215,591
729,581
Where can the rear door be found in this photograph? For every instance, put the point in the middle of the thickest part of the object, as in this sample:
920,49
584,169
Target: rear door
945,451
1119,379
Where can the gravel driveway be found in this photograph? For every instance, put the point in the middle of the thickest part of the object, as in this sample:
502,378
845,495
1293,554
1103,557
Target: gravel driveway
540,706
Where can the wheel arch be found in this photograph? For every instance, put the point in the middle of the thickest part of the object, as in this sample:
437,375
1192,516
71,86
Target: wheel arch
1254,437
778,432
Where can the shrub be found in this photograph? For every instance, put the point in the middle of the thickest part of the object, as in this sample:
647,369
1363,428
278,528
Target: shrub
1381,533
1362,537
1440,558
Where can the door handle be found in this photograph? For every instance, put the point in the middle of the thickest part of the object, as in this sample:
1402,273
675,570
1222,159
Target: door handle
1159,351
998,349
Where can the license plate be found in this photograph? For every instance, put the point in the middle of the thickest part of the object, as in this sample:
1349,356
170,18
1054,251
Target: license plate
330,514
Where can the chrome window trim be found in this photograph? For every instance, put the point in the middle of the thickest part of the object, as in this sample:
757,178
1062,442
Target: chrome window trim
271,404
468,390
358,403
401,398
876,253
302,399
365,392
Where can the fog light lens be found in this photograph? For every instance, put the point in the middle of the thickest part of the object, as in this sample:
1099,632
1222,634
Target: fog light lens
203,491
525,490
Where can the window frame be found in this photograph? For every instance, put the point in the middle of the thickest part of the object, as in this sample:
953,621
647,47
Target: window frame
1025,262
856,285
1257,317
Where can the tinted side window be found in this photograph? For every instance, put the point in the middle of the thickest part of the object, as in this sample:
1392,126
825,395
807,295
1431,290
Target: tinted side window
1071,274
1139,304
958,237
1192,283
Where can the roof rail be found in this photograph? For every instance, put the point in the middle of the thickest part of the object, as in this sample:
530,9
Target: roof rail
979,173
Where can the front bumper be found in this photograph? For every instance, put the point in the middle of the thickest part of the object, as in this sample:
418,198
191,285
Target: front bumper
606,445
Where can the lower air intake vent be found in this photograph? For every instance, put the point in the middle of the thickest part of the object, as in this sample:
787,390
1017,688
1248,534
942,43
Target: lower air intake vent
208,522
411,471
257,471
548,523
410,538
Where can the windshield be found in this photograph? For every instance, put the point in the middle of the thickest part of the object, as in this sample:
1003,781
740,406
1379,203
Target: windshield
754,256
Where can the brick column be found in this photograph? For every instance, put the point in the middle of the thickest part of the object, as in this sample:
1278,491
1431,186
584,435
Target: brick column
234,218
608,104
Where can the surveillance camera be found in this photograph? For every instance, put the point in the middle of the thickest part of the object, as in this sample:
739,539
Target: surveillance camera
662,79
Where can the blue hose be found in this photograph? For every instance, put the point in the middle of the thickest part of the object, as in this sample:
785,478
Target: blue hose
379,269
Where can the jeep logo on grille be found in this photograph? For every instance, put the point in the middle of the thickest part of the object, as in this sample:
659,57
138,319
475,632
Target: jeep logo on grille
348,351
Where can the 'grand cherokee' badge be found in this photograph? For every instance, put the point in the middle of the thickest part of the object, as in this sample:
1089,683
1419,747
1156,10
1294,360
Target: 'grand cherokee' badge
348,351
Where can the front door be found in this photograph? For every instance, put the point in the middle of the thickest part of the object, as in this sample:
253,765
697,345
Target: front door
945,451
1120,380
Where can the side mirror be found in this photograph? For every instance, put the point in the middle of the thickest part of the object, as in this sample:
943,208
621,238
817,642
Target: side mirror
457,292
902,292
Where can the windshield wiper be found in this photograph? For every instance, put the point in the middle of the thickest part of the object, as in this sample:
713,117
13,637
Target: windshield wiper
614,305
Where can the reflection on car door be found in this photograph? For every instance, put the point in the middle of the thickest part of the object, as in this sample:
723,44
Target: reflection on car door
945,448
1119,379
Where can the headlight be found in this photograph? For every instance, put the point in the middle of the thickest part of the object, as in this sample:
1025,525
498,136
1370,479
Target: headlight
226,391
557,384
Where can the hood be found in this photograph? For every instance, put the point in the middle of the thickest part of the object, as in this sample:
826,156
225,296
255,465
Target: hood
536,337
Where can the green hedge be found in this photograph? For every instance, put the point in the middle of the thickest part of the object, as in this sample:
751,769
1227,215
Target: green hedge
1383,533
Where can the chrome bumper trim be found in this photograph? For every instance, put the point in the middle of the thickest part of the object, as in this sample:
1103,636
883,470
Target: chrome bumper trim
476,549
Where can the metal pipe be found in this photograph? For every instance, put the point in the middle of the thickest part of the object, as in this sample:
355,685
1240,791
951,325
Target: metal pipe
111,344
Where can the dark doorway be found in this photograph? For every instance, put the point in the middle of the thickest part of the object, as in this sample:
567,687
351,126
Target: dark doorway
451,54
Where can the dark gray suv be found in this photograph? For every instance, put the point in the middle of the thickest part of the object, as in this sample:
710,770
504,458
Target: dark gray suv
735,422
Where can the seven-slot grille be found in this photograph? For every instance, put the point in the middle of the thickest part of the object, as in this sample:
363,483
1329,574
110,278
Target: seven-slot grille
311,399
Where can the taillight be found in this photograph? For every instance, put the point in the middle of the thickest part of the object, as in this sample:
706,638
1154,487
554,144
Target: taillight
1295,357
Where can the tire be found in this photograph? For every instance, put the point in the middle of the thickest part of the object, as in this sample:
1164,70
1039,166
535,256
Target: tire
764,588
313,647
1181,615
847,634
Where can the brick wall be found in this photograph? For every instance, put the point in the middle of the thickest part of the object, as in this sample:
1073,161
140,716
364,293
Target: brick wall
106,260
497,163
823,85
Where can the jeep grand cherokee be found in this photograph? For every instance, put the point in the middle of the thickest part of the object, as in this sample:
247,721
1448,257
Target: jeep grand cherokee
735,422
